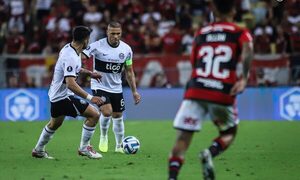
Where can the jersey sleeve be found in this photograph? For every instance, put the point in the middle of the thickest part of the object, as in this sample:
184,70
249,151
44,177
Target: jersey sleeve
128,60
245,37
89,51
69,68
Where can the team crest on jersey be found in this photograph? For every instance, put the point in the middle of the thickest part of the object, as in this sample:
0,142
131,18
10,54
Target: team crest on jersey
121,56
69,69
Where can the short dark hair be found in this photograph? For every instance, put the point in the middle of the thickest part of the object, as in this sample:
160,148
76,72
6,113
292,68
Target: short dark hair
224,6
80,33
114,24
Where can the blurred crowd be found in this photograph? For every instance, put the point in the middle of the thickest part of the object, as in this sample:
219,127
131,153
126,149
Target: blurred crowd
149,26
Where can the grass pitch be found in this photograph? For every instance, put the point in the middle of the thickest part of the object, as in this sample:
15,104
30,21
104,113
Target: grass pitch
262,150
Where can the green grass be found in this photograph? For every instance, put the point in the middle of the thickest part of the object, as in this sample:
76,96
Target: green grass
262,150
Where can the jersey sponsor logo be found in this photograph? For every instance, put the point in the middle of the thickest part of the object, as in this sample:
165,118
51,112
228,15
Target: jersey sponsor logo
104,54
114,68
69,69
108,67
121,56
190,121
290,104
22,105
211,83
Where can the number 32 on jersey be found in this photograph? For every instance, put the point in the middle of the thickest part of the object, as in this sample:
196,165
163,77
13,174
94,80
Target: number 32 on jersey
212,57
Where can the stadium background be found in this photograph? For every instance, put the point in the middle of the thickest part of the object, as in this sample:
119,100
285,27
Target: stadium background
160,33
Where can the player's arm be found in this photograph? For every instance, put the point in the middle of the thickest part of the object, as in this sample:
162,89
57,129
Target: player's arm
130,77
74,87
69,69
94,75
246,58
88,52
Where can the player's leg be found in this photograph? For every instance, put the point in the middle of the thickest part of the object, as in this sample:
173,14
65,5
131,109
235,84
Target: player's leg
106,111
187,121
225,118
219,145
58,111
46,135
118,106
88,129
177,154
223,141
118,129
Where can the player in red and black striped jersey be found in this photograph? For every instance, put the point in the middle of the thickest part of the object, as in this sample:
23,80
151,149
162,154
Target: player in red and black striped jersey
215,58
221,57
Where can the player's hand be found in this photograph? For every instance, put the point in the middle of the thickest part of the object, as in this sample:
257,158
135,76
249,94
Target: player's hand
238,87
136,97
97,100
96,75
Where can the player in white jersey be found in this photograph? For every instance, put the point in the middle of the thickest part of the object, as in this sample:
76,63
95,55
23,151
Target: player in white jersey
61,95
110,56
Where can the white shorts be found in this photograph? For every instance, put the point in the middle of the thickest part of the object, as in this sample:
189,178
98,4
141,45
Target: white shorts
192,112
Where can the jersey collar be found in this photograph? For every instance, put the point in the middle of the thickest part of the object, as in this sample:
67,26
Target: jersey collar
111,45
74,49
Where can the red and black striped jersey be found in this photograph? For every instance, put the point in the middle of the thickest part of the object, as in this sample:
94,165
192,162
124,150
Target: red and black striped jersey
215,57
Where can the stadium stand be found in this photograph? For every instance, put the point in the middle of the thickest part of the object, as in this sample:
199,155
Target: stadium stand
156,29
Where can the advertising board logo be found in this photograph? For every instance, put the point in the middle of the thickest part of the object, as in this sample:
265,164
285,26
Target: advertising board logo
21,105
290,104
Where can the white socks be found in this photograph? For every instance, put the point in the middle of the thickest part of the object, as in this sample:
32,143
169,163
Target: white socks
118,128
45,137
104,125
87,133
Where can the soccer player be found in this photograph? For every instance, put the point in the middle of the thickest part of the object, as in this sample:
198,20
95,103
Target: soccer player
110,55
221,57
61,95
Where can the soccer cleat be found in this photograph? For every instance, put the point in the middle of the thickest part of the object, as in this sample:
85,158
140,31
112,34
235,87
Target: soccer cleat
103,144
41,154
89,152
119,150
207,165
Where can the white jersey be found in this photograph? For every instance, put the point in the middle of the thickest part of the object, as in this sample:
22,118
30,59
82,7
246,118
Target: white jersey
68,64
109,62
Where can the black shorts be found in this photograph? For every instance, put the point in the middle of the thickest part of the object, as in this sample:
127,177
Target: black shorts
69,106
115,99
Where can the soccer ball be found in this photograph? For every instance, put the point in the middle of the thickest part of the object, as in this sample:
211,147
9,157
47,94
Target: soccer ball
130,145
